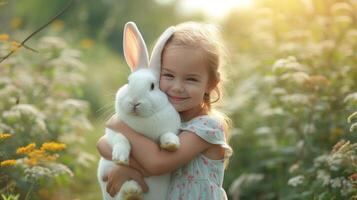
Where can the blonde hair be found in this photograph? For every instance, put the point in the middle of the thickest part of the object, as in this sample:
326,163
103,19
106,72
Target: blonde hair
207,38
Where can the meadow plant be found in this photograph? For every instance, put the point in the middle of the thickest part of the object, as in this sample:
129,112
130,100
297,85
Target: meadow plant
42,119
294,100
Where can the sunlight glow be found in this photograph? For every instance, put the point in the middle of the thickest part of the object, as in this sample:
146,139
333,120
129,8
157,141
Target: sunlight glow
213,8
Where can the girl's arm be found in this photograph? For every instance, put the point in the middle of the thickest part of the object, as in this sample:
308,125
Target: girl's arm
105,151
151,157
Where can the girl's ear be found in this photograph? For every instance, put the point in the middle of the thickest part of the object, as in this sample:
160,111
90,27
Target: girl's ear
135,51
212,84
155,60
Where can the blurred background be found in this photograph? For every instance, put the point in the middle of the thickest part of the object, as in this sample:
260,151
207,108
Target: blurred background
290,90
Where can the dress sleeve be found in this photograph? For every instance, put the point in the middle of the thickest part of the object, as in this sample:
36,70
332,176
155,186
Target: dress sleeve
210,130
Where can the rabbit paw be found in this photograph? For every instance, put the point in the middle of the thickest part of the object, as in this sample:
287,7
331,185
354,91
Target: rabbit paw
120,155
169,142
131,190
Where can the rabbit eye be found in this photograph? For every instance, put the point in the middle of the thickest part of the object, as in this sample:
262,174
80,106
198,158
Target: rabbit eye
152,86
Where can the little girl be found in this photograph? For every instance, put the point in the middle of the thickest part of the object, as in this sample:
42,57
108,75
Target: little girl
190,74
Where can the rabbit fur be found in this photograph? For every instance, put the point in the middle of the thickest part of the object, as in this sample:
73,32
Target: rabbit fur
145,108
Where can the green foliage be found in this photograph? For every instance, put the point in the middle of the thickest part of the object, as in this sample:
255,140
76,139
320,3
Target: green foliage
10,197
40,107
294,80
103,20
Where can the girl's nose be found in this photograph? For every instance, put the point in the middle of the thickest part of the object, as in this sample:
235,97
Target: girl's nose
177,86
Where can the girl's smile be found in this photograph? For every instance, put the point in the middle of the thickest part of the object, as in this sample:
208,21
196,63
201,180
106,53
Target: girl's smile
174,99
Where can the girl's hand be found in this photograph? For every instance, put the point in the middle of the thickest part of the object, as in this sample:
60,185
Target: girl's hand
119,174
113,123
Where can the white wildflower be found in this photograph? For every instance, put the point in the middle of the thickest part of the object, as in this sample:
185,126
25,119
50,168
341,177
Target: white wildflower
287,64
50,42
324,177
263,130
297,77
294,167
272,111
59,169
336,182
9,96
71,53
335,161
72,79
351,97
37,172
244,180
68,58
237,131
296,181
347,188
74,104
86,159
265,110
278,91
300,145
321,160
26,115
23,111
296,99
309,128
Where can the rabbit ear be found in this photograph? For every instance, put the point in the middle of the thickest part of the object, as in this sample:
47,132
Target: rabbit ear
155,60
135,51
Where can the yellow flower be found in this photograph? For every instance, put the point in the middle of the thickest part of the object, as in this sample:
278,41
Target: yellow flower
4,135
7,163
87,43
15,46
4,37
27,149
53,146
15,22
37,154
51,157
32,161
58,25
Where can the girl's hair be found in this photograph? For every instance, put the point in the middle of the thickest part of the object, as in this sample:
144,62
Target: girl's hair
207,38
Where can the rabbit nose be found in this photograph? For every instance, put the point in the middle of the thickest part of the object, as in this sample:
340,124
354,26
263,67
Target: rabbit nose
135,104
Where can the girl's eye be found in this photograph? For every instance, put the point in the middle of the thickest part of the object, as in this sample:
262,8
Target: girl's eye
152,86
167,75
192,79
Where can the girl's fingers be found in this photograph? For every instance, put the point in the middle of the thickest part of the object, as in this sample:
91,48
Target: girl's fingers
109,186
139,179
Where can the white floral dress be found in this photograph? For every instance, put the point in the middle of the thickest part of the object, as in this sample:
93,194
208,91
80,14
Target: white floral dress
201,178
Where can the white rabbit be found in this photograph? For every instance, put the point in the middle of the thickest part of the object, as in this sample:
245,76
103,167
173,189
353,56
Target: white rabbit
146,109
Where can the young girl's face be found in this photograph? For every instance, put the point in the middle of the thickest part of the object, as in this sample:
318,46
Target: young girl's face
184,78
